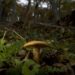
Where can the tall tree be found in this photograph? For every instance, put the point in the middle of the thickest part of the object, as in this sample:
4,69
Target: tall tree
55,9
6,8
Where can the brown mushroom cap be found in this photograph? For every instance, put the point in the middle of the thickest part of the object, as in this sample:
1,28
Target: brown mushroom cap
37,44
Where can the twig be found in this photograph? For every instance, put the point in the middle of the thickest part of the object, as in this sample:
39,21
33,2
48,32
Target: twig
4,34
51,25
26,57
18,34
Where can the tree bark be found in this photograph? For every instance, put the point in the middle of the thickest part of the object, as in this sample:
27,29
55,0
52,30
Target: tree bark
55,10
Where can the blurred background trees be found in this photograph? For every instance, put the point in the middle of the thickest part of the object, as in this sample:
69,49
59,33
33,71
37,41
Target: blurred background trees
7,10
33,11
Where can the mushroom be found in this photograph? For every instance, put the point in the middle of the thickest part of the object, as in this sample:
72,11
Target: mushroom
36,45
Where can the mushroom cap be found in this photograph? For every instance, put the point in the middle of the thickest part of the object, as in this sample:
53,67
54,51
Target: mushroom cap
37,44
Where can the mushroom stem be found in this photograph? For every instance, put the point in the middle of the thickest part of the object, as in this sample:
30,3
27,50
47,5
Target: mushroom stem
36,54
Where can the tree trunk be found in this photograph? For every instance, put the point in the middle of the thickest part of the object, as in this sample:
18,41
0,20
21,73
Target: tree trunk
55,10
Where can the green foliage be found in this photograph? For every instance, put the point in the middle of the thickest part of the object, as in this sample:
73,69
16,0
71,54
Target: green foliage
30,68
8,51
49,69
14,71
